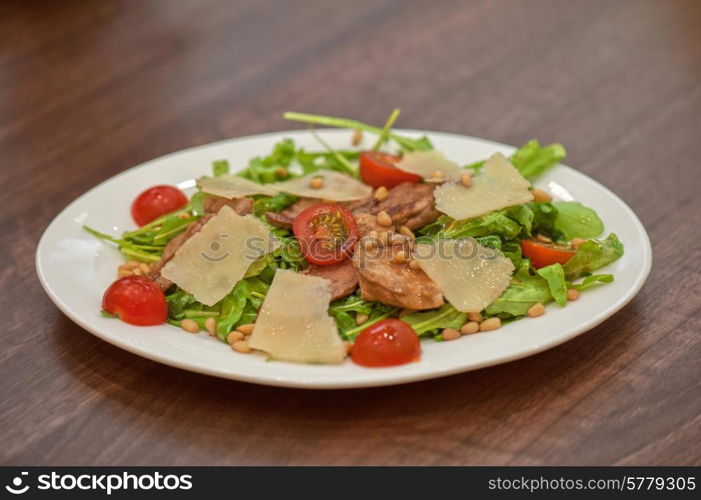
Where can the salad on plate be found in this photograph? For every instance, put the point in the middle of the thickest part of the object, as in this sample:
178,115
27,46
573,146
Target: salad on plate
361,253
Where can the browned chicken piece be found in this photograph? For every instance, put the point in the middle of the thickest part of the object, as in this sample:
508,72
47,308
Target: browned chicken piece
286,217
242,206
343,277
381,280
409,204
172,247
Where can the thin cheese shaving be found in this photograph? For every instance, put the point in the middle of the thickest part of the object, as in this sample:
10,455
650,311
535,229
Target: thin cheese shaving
432,166
231,186
470,276
293,323
333,186
499,186
213,260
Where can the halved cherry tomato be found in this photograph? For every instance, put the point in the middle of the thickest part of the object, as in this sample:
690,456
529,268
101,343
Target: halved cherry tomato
157,201
544,254
378,169
136,300
326,233
388,342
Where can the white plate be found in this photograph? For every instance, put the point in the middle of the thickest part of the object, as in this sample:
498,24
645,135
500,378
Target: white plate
75,268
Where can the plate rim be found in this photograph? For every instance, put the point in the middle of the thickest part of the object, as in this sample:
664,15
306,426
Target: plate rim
601,316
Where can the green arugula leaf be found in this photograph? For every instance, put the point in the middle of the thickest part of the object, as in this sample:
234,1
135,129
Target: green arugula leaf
555,276
592,255
574,220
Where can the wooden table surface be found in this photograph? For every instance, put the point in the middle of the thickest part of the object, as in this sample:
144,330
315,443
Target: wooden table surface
90,88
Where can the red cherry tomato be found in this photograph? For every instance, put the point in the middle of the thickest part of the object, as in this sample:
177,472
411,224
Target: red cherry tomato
326,233
378,169
388,342
544,254
157,201
136,300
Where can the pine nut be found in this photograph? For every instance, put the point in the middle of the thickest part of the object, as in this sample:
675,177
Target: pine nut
234,337
131,264
414,265
281,172
490,324
348,346
383,219
316,183
136,271
541,195
450,334
469,328
466,179
407,232
361,318
399,257
246,329
577,242
536,310
572,294
144,268
190,326
381,193
357,137
211,325
437,175
542,238
241,346
476,317
183,215
369,243
121,273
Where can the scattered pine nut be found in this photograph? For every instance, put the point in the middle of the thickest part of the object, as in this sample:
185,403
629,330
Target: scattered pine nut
144,268
450,334
577,242
381,193
470,327
121,273
241,346
466,179
542,238
130,264
190,326
477,317
572,294
541,195
369,243
281,172
348,346
357,137
211,325
234,337
437,175
490,324
383,219
407,232
136,271
246,329
361,318
536,310
316,183
183,215
414,265
399,257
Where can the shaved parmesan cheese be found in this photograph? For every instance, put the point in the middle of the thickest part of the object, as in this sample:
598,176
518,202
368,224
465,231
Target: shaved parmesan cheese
294,324
432,166
333,186
231,186
213,260
499,186
470,276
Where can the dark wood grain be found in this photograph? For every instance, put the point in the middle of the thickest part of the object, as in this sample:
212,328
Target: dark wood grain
90,88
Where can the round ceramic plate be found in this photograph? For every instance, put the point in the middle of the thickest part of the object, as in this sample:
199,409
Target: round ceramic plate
75,268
